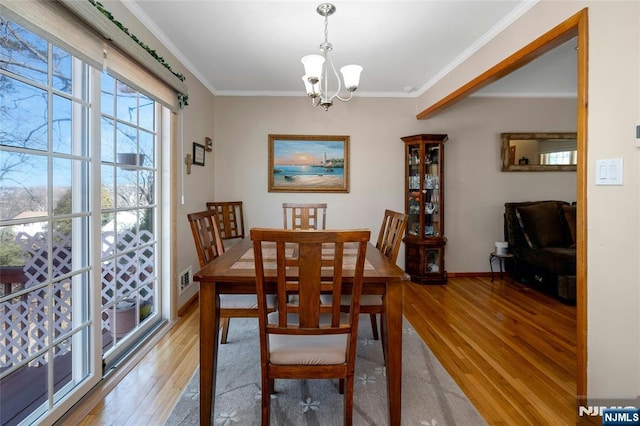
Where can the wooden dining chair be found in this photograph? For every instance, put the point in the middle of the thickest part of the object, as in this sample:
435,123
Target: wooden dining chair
305,215
229,217
389,239
308,339
208,242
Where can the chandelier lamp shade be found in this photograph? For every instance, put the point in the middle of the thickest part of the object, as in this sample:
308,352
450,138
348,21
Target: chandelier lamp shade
318,69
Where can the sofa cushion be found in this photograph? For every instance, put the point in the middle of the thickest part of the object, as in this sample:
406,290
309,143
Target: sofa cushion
555,260
542,225
570,218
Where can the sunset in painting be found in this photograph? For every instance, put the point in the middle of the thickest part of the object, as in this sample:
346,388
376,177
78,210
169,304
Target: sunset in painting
306,153
299,159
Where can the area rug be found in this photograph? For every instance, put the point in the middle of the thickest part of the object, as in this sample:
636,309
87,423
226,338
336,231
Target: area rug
429,395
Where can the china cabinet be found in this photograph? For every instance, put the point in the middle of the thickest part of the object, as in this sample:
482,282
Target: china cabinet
424,204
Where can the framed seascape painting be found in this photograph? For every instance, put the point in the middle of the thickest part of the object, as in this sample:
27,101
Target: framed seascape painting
303,163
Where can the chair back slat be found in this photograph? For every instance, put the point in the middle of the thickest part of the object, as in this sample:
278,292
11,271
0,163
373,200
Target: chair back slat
391,233
206,236
305,215
229,217
312,279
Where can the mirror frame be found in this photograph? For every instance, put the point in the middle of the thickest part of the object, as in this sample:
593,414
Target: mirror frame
504,152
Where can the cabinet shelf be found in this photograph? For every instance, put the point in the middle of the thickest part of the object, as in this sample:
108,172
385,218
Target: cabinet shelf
424,204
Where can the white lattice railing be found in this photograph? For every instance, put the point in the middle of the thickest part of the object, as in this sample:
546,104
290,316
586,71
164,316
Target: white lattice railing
24,320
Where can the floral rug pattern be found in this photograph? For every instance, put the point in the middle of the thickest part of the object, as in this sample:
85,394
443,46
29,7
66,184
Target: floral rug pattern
429,396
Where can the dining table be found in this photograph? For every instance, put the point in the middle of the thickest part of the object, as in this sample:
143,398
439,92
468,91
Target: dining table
233,272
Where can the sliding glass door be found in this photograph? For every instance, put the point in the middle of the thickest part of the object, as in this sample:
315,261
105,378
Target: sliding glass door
128,214
79,197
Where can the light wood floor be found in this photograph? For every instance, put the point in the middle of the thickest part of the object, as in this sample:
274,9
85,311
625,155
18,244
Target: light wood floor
509,348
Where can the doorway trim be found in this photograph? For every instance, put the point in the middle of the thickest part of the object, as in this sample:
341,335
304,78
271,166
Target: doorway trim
575,26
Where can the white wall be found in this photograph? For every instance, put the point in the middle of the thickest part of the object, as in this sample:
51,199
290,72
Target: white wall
475,189
613,249
376,155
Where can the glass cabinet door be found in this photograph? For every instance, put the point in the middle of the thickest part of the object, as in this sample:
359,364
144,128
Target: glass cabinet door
431,191
433,263
414,189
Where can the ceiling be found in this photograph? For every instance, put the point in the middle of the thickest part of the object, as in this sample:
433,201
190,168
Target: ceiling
253,48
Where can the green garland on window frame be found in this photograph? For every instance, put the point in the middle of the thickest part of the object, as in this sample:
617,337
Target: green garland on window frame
183,99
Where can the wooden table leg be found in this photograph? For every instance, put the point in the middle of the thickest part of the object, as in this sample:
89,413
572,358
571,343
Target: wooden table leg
209,319
393,349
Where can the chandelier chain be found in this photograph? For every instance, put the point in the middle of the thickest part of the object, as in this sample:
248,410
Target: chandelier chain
326,29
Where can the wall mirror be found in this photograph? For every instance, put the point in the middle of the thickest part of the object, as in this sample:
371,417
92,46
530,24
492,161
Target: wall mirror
539,152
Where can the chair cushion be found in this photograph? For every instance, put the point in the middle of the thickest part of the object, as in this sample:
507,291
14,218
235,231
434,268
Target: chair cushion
365,299
244,301
370,300
306,350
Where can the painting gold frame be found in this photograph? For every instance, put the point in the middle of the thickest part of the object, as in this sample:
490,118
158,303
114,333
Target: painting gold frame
308,163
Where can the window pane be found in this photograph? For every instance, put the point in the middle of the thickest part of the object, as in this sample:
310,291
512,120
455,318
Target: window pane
147,262
127,103
61,70
146,188
11,261
122,317
127,188
108,195
23,185
126,140
107,140
108,340
62,304
147,112
126,278
22,52
24,115
147,149
108,280
147,302
147,223
61,125
107,94
62,253
63,200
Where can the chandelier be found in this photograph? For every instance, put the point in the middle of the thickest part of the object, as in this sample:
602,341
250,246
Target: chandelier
318,67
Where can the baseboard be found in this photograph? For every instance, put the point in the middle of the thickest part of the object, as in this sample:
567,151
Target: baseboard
188,304
468,274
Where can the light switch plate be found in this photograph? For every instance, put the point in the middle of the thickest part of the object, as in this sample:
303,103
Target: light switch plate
609,172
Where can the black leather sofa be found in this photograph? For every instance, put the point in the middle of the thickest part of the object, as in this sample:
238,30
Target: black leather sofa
541,236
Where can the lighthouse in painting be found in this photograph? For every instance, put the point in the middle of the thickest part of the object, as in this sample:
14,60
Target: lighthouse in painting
324,160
